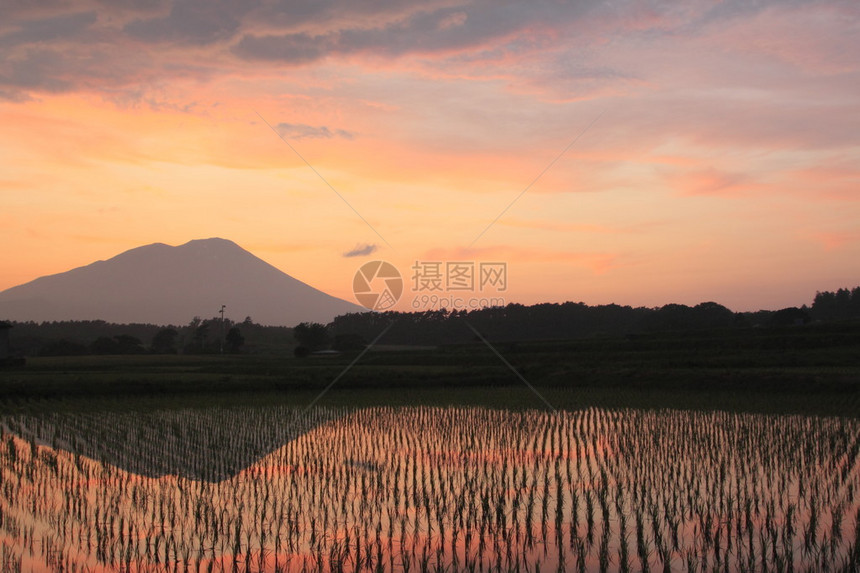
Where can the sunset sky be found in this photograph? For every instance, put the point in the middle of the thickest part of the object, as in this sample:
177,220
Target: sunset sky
715,145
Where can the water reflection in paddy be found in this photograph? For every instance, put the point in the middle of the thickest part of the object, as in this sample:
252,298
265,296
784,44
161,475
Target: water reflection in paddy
427,489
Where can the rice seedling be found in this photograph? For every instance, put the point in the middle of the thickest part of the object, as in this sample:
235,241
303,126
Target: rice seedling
427,489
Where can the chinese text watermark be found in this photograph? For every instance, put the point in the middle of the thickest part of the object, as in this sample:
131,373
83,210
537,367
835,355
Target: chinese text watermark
436,284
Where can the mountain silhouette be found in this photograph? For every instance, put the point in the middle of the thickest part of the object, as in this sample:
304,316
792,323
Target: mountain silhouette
161,284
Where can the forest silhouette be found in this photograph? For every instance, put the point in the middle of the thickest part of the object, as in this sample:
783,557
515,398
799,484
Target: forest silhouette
510,323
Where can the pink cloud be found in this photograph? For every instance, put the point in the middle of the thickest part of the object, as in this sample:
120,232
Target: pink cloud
835,240
712,181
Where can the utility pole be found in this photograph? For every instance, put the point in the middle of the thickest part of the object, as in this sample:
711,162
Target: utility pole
223,306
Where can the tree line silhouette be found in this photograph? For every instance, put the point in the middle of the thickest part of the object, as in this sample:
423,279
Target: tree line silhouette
97,337
569,320
511,323
839,305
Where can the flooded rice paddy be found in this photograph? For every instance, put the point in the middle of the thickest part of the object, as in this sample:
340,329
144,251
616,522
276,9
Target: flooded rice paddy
427,489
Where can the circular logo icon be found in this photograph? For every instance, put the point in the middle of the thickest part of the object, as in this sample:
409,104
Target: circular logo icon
377,285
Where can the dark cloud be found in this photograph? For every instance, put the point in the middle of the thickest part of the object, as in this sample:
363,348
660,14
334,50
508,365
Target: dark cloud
292,13
732,9
49,29
15,95
101,39
302,131
361,251
443,29
134,5
193,22
35,70
288,48
47,54
31,70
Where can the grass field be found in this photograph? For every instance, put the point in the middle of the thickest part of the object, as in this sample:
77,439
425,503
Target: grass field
803,370
571,375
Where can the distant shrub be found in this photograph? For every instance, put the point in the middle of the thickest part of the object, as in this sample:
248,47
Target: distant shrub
63,347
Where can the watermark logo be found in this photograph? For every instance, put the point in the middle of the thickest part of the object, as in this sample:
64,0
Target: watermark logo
377,285
446,284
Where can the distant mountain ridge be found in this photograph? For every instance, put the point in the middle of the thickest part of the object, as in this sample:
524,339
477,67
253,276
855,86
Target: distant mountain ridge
161,284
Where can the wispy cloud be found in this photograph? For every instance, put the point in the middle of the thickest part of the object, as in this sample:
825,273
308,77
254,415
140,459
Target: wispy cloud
714,182
302,131
361,250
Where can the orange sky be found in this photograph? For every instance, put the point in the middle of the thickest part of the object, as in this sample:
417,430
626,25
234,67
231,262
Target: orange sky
722,165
